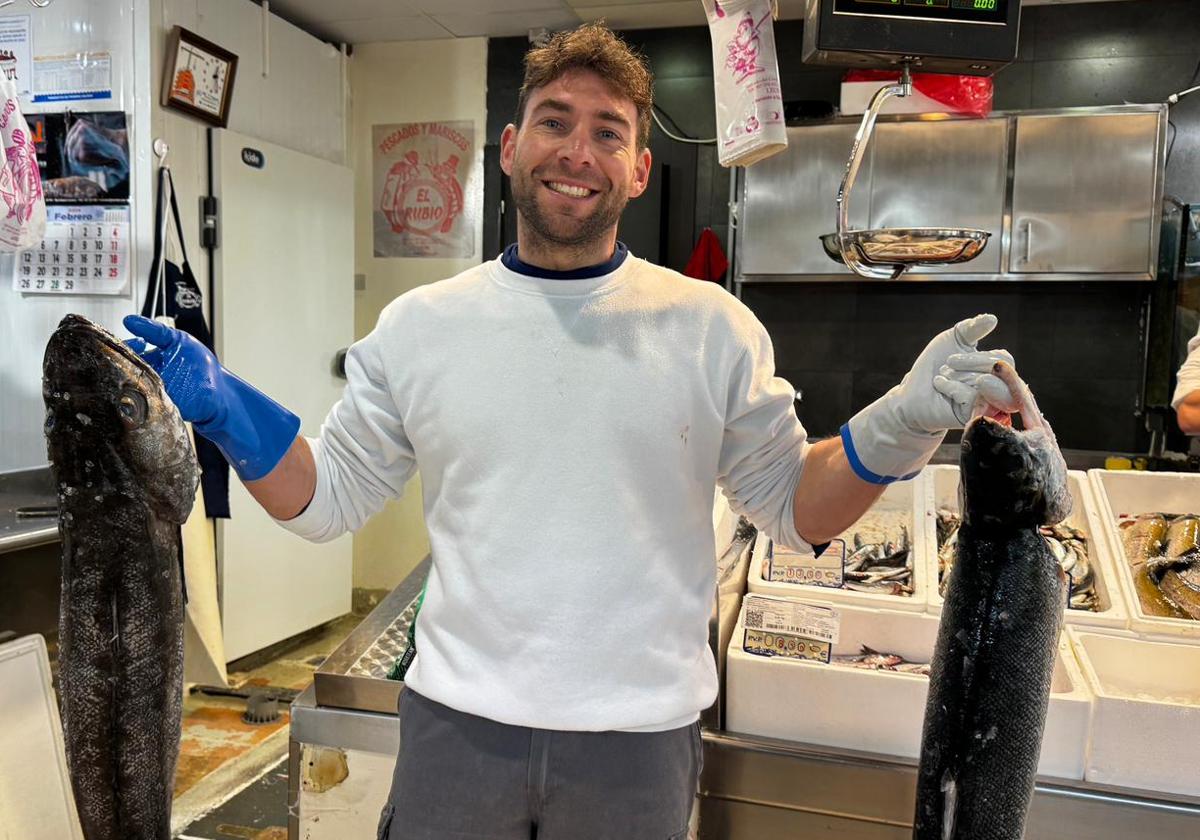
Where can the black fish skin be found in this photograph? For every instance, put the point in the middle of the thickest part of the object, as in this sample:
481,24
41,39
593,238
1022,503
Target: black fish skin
994,660
125,486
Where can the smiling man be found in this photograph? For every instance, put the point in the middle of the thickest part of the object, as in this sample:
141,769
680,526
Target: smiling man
571,409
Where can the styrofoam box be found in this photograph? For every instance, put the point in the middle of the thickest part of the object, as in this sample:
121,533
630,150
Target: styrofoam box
856,96
1132,492
941,491
1146,711
879,711
899,496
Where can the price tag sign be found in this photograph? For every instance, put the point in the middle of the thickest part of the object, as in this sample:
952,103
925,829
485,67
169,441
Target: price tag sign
786,566
782,615
761,643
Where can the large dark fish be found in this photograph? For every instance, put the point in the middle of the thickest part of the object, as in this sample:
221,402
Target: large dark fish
990,680
126,477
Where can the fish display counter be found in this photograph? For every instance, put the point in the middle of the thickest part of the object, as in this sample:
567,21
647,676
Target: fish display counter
1153,531
877,562
344,735
1080,544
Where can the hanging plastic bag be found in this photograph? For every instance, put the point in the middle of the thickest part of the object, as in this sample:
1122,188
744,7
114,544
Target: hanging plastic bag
22,206
749,98
957,94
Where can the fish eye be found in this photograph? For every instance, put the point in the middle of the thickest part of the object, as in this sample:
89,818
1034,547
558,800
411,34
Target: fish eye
133,408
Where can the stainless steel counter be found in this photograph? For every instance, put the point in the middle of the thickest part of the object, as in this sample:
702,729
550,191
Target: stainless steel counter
763,788
24,491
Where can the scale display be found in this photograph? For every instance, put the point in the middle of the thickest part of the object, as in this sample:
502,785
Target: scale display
956,11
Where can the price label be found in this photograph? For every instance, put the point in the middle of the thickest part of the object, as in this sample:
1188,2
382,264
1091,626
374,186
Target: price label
782,615
784,566
762,643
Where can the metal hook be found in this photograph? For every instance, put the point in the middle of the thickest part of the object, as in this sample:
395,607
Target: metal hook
41,4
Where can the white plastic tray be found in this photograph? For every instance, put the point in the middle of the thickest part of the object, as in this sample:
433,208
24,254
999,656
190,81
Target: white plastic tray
1132,492
941,491
1146,711
35,791
879,711
899,496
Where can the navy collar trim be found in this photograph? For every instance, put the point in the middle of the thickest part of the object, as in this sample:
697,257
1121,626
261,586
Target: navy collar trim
514,263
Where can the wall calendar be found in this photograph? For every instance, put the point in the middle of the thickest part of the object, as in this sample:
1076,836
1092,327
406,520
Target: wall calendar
85,252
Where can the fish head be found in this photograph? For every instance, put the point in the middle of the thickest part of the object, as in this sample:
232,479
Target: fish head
1009,476
110,425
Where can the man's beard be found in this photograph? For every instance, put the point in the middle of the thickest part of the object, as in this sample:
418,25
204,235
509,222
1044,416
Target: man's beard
575,233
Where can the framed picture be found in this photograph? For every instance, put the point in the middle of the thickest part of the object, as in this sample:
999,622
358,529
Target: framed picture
199,77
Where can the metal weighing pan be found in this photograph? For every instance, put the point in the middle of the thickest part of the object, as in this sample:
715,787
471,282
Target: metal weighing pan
886,253
899,248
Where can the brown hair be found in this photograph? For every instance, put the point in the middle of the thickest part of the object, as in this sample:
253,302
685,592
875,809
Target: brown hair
597,48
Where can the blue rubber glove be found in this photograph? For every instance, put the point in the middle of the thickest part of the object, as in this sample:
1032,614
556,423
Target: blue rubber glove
252,431
895,436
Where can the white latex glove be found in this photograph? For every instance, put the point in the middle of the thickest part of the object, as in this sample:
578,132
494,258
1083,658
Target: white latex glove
895,436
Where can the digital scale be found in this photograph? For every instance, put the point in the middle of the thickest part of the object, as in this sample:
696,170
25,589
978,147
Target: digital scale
968,37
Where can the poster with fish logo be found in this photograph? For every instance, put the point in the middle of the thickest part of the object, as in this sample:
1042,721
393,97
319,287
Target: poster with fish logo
425,197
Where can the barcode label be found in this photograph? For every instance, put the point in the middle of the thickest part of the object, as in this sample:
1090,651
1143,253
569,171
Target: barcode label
782,615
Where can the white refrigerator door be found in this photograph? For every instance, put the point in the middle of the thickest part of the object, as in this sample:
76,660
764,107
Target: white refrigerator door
284,301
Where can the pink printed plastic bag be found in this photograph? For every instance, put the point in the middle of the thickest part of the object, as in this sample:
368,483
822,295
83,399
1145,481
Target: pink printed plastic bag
749,99
22,206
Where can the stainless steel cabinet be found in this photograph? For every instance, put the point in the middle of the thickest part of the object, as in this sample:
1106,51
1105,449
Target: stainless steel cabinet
1070,194
1084,193
958,168
790,201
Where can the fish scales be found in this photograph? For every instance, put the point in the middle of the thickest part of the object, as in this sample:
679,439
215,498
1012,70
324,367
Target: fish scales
994,659
126,476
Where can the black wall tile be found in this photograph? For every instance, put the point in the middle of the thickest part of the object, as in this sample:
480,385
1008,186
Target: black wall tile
1090,413
825,399
691,106
1109,81
1012,87
1107,30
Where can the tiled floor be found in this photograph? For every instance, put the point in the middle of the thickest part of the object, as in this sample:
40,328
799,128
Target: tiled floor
216,743
258,812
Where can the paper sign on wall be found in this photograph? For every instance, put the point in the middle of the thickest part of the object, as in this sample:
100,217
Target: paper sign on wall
420,171
65,78
14,51
85,251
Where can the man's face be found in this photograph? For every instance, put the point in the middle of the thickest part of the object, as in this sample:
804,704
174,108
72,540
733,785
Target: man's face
574,162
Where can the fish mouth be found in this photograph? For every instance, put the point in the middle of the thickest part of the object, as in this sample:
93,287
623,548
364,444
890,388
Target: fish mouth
1032,419
86,330
1029,456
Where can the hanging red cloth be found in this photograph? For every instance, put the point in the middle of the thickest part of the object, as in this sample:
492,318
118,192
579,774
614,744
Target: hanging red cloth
708,261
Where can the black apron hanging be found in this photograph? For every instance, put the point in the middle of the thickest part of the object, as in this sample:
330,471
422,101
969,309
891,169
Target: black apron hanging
177,295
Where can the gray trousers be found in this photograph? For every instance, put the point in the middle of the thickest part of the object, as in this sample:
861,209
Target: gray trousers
462,776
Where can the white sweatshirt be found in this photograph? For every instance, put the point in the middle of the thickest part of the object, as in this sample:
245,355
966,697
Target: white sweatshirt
1188,377
569,434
